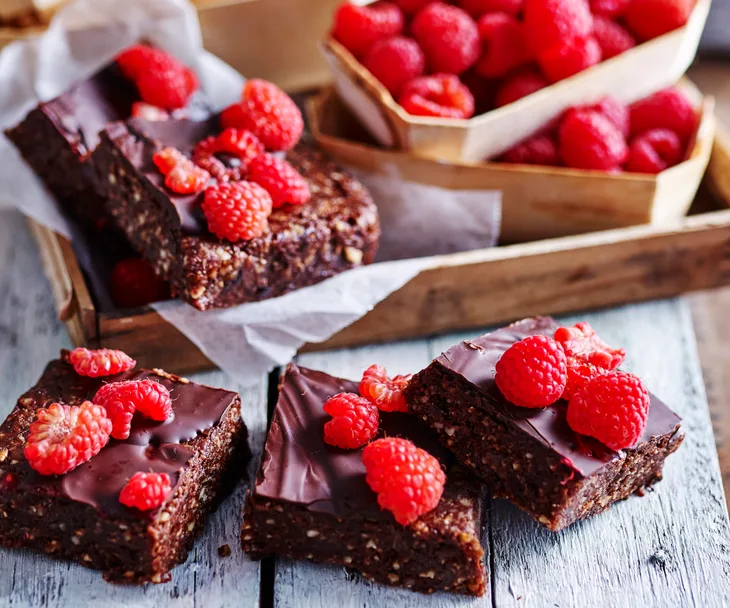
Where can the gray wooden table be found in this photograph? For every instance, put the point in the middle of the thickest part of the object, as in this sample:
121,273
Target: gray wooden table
668,549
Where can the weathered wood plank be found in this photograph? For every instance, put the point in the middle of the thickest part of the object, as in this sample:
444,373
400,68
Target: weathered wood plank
30,335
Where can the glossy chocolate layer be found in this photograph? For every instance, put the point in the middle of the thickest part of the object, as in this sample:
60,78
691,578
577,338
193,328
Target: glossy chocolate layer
475,361
299,467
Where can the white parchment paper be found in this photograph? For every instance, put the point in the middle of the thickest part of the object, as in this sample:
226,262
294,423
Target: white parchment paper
248,340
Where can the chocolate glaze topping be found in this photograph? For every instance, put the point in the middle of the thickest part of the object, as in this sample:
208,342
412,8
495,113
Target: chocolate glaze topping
475,361
299,467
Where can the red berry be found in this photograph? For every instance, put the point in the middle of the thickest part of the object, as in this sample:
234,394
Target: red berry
411,7
119,411
651,18
122,399
354,421
143,110
504,43
100,362
613,408
167,158
441,95
538,150
408,480
240,143
237,211
580,373
146,491
357,28
384,392
204,156
477,8
268,113
653,151
613,38
169,89
282,181
582,342
610,9
448,36
666,109
133,283
551,23
63,437
233,117
519,85
589,140
569,58
140,58
616,111
187,178
395,61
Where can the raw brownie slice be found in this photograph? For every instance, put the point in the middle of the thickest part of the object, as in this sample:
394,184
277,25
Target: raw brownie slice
336,230
311,501
77,516
531,456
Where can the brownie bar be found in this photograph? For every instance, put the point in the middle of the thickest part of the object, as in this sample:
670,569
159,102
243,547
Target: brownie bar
531,456
78,516
336,230
311,501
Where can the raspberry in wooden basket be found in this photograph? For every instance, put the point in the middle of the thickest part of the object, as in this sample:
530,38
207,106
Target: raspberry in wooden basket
666,109
651,18
611,9
532,372
237,211
100,362
283,182
133,283
63,437
538,150
354,421
441,95
357,28
613,408
386,393
477,8
408,480
448,36
411,7
551,23
589,140
569,58
612,37
613,109
122,399
521,84
504,45
146,491
395,61
654,151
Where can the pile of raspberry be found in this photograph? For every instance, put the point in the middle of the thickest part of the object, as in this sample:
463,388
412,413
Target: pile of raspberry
575,365
648,136
64,437
455,59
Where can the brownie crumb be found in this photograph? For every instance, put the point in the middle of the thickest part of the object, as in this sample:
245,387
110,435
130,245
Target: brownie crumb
224,551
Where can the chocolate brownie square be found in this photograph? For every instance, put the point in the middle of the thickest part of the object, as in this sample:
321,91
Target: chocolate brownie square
77,516
311,500
531,456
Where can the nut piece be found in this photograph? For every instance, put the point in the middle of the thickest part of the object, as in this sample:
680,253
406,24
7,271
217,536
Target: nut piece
312,533
353,255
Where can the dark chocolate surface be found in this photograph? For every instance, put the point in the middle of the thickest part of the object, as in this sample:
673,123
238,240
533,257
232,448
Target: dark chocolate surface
299,467
475,360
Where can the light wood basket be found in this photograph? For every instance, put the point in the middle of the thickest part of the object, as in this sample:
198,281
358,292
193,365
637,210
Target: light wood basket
632,75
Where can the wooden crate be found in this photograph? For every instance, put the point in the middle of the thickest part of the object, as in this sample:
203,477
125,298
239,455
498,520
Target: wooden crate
462,290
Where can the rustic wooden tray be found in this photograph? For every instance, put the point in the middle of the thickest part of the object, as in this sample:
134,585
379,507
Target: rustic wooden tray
463,290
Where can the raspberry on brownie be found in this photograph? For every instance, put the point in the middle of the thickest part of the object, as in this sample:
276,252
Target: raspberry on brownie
315,501
130,507
532,456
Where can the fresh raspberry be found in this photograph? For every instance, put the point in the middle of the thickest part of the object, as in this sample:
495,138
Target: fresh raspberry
651,18
187,178
589,140
146,111
537,150
411,7
441,95
477,8
167,158
122,399
582,342
232,117
168,89
521,84
653,151
666,109
268,113
240,143
613,408
133,283
119,410
282,181
532,372
580,373
100,362
395,61
407,479
611,9
552,23
237,211
354,421
613,38
357,28
204,156
140,58
504,44
383,391
616,111
146,491
63,437
448,36
569,58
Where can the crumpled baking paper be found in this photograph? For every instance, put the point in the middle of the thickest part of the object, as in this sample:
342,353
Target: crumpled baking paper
248,340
